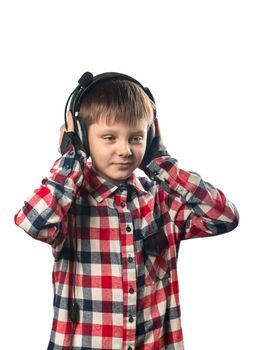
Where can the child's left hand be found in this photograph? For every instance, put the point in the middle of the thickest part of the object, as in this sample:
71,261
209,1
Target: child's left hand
154,145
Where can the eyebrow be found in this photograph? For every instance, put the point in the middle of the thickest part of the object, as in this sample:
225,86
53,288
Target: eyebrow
115,131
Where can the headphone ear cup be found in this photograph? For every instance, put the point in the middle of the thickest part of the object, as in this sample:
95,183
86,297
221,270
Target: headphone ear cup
83,135
149,139
150,136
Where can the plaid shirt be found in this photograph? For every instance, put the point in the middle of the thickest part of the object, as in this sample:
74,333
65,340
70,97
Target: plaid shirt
128,238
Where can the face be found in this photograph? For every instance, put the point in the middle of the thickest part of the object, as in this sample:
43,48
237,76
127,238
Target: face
116,150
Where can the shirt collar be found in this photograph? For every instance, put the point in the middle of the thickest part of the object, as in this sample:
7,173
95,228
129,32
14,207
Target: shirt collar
101,188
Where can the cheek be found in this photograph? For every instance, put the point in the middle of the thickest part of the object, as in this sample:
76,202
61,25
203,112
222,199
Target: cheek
99,153
142,150
139,155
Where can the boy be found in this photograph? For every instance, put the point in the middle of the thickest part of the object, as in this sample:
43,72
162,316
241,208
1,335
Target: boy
115,236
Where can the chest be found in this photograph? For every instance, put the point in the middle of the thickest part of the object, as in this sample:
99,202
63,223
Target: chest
116,235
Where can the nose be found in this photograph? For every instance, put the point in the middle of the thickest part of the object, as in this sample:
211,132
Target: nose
124,149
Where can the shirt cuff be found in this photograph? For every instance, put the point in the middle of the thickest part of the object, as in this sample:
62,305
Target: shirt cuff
68,166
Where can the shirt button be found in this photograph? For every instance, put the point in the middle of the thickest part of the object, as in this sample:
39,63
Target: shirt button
122,204
131,290
131,319
130,259
128,229
122,188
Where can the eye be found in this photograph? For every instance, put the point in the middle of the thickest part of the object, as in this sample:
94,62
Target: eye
108,138
137,139
134,139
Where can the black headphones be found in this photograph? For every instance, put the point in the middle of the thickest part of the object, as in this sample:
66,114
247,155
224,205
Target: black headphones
86,82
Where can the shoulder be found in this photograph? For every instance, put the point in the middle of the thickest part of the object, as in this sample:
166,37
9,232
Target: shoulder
159,193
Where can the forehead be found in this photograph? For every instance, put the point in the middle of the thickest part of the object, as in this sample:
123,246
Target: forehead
105,123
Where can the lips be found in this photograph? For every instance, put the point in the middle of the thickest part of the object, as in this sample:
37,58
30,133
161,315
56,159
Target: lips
122,165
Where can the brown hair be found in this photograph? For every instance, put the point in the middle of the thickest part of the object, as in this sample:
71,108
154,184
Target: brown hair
118,101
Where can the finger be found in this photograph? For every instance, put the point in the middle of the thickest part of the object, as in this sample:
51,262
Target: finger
70,123
157,128
62,131
60,138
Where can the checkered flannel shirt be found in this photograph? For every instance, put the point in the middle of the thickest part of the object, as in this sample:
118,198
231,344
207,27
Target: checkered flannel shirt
128,238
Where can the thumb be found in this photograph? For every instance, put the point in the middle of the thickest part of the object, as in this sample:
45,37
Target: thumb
70,123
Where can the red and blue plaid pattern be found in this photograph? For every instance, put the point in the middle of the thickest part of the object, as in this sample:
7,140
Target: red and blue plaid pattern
128,238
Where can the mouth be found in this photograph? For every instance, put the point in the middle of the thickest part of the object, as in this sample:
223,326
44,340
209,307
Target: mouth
122,165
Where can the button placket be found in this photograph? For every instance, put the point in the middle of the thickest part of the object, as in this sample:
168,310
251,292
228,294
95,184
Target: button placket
130,259
129,270
131,319
121,196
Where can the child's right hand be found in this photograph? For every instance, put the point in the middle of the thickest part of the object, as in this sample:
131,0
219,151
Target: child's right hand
70,127
69,136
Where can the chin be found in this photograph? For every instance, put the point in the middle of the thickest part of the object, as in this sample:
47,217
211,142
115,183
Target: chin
120,178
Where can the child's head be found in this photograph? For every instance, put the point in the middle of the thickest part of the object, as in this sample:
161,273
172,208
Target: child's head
117,101
117,115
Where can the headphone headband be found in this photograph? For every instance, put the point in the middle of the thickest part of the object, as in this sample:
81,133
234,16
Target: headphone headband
87,80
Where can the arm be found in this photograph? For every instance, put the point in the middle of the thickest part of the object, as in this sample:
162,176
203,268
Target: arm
45,209
204,210
44,212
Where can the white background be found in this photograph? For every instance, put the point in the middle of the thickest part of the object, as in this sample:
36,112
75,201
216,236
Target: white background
197,59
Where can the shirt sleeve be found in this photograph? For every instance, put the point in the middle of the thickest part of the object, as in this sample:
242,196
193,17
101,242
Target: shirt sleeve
45,209
204,209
